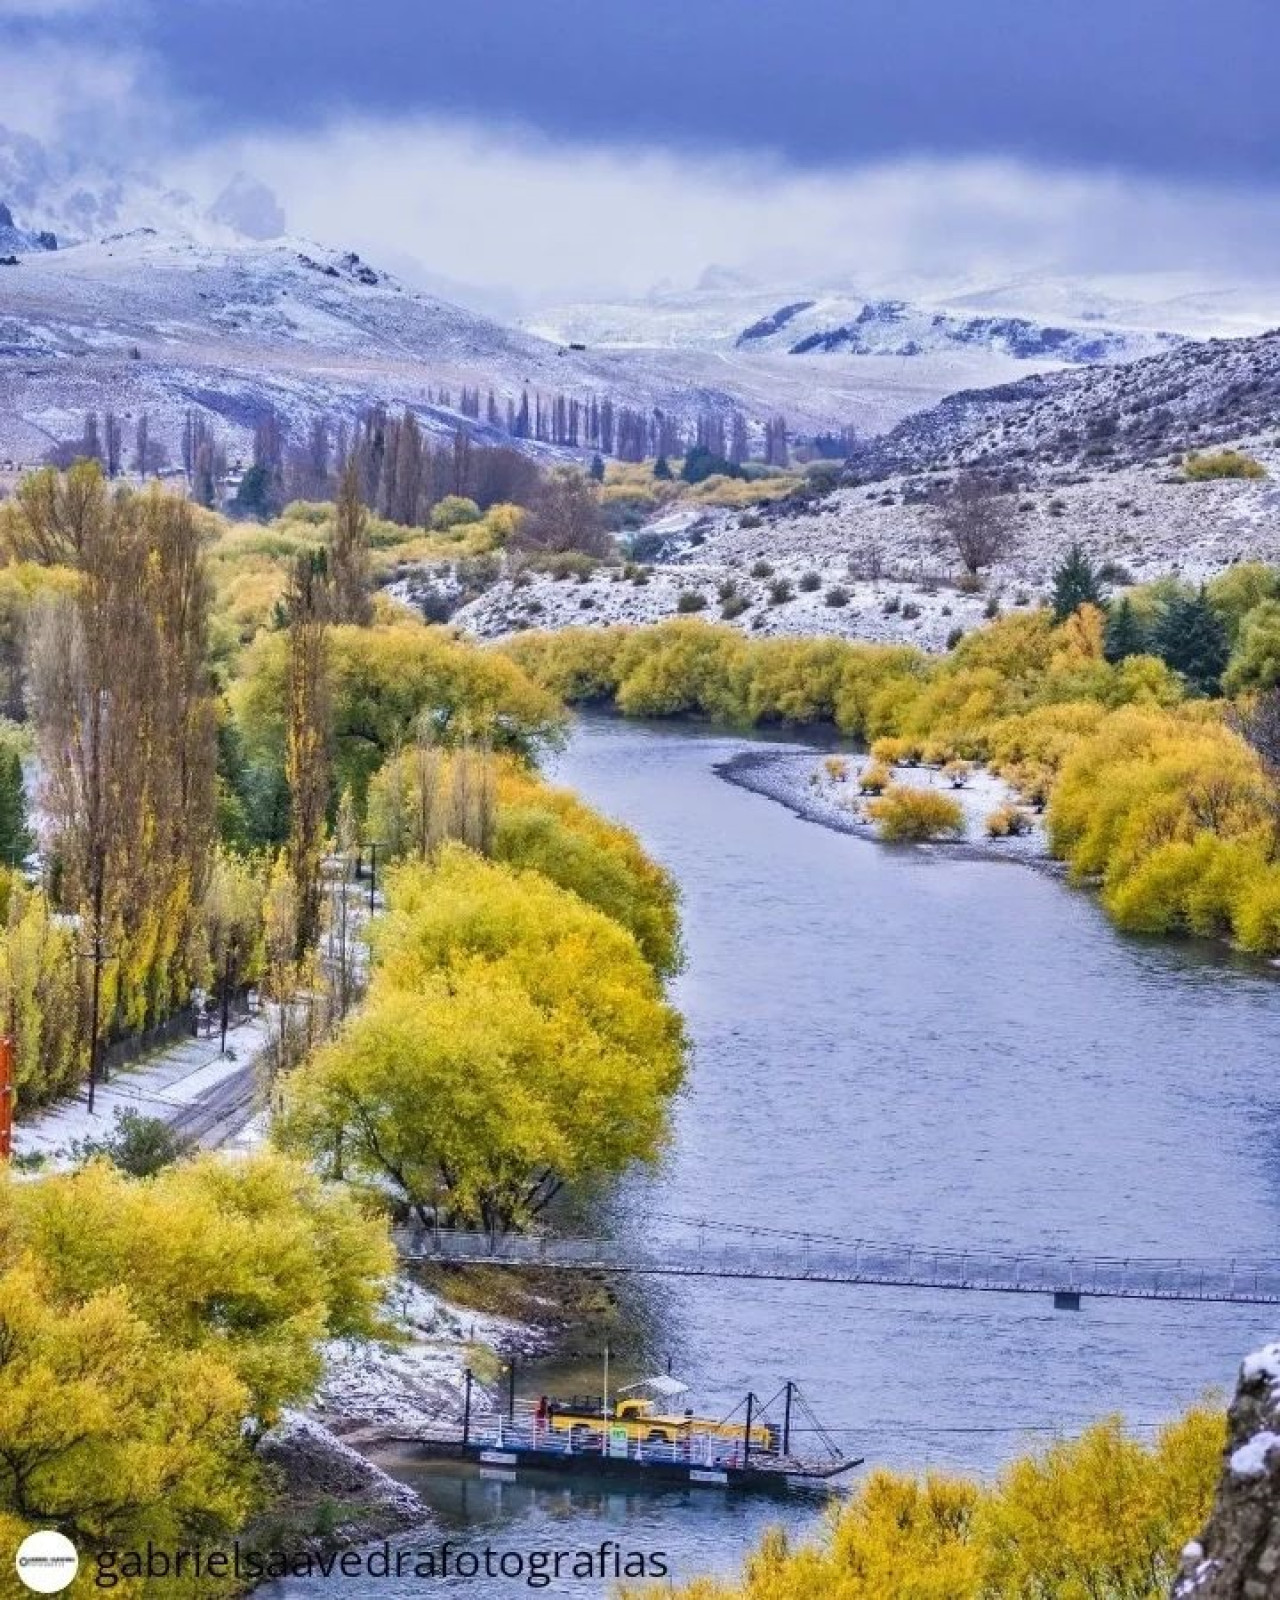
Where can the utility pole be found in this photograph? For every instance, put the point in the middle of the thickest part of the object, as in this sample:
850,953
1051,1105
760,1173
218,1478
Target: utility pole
786,1419
6,1097
95,1008
226,996
746,1445
373,872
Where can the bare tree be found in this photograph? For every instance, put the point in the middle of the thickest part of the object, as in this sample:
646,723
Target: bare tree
566,515
977,519
142,445
1257,721
113,443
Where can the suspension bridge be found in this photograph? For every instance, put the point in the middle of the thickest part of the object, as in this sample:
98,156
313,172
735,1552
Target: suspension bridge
706,1252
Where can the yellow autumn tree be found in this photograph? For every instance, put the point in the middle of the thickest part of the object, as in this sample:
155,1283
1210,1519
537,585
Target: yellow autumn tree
150,1329
413,808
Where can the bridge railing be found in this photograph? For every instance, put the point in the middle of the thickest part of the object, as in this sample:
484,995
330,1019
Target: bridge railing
799,1257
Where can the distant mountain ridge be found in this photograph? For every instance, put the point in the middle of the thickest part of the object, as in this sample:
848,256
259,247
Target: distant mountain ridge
730,316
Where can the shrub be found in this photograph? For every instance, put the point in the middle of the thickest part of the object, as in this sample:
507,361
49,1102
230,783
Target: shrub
1007,821
1101,1515
913,815
780,591
958,773
1222,464
138,1145
895,752
910,611
452,512
874,778
690,600
734,606
837,768
810,582
836,596
761,569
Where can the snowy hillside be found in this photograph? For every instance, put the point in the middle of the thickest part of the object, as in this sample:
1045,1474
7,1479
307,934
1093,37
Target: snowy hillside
1098,418
163,320
160,321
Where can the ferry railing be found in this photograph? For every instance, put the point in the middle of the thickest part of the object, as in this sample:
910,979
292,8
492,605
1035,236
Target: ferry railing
694,1450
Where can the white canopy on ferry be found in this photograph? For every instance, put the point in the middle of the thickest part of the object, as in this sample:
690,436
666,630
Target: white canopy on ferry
665,1385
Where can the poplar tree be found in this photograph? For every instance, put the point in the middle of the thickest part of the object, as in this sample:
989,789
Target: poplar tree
307,740
349,553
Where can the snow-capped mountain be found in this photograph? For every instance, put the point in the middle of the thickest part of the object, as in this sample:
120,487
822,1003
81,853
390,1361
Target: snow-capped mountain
160,321
1042,318
121,292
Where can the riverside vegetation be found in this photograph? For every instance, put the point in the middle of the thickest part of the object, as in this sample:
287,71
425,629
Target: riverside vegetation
1164,797
1101,1517
265,711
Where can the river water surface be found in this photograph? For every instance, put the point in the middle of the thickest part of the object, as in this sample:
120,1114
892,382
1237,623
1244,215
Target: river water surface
901,1044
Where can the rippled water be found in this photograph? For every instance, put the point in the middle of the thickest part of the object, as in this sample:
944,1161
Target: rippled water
903,1045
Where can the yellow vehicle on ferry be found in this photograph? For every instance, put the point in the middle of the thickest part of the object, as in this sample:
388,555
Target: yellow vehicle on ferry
645,1413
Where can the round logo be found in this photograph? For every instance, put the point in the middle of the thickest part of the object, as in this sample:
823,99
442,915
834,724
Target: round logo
47,1562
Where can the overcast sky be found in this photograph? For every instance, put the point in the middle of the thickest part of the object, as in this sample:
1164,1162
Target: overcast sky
560,145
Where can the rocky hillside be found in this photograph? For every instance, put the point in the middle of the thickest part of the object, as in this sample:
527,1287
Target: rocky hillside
16,241
1099,418
874,562
1238,1555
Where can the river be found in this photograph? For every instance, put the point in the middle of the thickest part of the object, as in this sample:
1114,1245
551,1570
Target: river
906,1044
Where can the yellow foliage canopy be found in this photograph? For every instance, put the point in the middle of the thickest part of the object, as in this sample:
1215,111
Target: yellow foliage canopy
514,1038
1098,1516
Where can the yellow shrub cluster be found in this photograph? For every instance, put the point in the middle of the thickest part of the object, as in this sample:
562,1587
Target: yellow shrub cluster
904,815
1222,464
1098,1516
534,826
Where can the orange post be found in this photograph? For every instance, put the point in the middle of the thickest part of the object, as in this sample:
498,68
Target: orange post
6,1097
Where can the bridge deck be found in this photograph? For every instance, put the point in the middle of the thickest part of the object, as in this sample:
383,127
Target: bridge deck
813,1259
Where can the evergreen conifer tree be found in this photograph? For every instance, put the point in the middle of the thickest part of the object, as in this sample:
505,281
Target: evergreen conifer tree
1125,635
1075,583
1191,638
16,842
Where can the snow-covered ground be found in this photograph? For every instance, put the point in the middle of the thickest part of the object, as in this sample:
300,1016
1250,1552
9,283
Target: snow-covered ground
826,790
883,552
179,1084
415,1385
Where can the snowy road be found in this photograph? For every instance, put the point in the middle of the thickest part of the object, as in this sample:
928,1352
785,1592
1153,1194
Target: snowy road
207,1097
